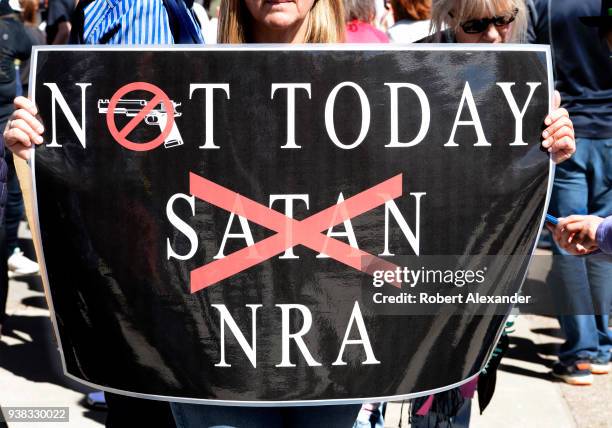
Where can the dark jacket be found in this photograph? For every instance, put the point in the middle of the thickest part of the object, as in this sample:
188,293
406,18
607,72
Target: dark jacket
444,36
583,67
38,38
15,43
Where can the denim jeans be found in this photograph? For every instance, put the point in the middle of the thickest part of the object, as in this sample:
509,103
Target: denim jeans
582,286
203,416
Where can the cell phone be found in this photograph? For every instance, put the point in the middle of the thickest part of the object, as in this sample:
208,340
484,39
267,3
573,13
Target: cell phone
552,219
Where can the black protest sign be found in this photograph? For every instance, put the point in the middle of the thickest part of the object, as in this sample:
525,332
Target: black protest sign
282,226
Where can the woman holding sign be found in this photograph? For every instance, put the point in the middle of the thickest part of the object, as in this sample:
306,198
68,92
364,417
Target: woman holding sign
257,21
261,21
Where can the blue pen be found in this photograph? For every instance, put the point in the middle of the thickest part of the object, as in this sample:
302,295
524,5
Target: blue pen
552,219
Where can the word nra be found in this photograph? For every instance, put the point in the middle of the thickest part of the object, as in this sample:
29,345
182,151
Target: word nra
209,89
287,321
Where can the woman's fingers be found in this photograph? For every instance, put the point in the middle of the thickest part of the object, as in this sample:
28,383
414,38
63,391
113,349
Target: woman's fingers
24,127
575,226
15,137
29,118
565,144
559,138
559,128
558,234
18,140
26,104
577,231
572,234
556,99
579,250
563,221
562,145
565,230
555,115
574,218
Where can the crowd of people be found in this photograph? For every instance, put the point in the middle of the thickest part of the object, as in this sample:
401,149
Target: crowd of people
581,39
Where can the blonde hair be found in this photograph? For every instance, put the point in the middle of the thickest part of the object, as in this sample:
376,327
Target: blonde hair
464,10
325,22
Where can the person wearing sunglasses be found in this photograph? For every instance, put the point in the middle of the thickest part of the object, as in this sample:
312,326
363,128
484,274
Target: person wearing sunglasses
486,21
475,30
478,21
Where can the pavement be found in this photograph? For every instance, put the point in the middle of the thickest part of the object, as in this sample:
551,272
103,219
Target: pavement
526,395
30,369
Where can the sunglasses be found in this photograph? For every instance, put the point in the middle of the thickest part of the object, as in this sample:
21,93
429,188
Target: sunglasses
476,26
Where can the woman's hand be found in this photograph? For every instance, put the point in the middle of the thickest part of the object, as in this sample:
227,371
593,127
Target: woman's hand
559,137
23,129
577,234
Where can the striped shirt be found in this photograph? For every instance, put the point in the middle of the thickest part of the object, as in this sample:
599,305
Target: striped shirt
128,22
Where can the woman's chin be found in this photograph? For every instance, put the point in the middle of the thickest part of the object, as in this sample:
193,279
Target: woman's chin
281,22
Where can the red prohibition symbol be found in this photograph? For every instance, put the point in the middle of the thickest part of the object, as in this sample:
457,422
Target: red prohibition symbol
120,136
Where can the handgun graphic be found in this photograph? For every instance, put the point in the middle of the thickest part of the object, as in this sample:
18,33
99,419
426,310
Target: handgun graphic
157,116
